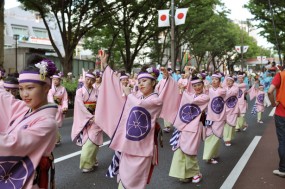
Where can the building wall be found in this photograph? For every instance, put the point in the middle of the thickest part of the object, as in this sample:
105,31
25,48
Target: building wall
10,59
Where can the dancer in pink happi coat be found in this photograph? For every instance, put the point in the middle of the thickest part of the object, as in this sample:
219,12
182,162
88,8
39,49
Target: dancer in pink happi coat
84,130
58,94
11,84
257,91
29,133
242,104
188,136
131,123
231,106
215,119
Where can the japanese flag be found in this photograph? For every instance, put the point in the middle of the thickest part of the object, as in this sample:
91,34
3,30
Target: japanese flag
238,49
163,18
180,16
263,58
245,48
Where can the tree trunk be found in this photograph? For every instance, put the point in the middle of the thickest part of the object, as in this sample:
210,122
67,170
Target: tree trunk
67,65
2,3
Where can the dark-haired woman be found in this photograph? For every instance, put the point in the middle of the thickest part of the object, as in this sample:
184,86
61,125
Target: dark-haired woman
242,104
231,106
26,144
186,140
84,131
11,84
131,123
58,94
215,120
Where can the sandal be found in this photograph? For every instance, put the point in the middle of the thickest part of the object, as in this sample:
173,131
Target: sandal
212,161
197,178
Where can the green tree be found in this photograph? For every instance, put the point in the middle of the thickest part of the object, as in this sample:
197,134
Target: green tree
132,25
261,11
73,18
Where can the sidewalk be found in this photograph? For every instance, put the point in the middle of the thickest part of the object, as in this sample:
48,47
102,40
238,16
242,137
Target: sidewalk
257,173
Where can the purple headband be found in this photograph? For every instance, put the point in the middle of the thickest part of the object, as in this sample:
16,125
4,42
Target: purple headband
217,75
11,86
146,75
241,76
124,77
33,77
196,81
90,75
231,78
56,76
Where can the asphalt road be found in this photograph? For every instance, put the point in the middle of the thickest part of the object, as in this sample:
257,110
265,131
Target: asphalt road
69,176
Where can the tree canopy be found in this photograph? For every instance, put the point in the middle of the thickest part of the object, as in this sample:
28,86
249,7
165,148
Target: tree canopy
128,30
261,11
73,18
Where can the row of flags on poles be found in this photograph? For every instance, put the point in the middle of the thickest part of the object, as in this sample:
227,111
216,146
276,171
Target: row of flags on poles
244,49
163,17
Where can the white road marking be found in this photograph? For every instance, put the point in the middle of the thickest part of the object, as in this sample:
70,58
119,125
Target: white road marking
272,111
233,176
57,160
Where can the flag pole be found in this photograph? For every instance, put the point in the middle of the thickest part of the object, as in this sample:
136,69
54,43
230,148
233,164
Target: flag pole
172,37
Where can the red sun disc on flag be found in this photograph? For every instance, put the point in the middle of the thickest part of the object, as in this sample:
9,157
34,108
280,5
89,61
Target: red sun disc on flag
163,17
180,15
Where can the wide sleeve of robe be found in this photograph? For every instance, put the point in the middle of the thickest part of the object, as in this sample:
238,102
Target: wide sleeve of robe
10,108
110,102
171,100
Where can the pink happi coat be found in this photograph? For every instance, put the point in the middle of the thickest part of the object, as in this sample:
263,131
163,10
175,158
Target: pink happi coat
216,111
231,105
82,128
59,93
188,121
28,137
259,98
160,85
131,122
242,104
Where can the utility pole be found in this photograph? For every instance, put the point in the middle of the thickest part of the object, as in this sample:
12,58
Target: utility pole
172,37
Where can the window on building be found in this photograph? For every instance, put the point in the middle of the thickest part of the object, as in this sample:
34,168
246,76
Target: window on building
20,30
40,33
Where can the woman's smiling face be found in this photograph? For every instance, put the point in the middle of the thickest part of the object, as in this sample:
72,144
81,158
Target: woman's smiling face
146,86
34,94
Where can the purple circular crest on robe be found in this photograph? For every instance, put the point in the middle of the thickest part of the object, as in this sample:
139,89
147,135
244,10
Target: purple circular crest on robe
138,124
260,98
231,102
188,112
15,171
240,93
217,105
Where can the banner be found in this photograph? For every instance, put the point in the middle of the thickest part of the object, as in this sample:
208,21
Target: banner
163,18
238,49
180,16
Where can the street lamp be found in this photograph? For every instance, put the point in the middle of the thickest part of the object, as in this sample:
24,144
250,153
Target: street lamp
16,38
